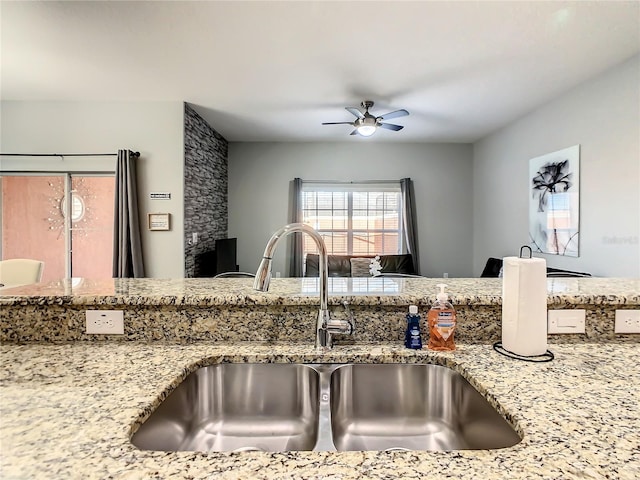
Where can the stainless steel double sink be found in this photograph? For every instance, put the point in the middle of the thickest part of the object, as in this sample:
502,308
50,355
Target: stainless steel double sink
324,407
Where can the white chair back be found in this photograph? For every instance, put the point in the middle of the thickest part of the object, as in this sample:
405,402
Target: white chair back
20,271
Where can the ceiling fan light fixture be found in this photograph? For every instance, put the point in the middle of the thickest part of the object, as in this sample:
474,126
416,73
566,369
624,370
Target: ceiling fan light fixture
366,130
366,124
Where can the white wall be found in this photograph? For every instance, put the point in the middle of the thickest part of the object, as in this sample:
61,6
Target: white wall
259,176
603,116
155,129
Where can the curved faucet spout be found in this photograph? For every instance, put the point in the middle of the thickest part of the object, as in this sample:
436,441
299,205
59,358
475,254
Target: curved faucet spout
263,276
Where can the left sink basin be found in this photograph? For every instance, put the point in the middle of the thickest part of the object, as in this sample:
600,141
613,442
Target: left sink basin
237,407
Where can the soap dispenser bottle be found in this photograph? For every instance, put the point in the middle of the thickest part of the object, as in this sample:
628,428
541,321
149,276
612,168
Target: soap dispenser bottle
441,320
412,337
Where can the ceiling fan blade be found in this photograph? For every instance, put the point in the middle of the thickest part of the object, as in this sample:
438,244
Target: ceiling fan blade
394,114
355,132
391,126
354,111
337,123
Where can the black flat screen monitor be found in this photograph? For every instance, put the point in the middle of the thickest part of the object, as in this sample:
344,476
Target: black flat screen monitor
226,255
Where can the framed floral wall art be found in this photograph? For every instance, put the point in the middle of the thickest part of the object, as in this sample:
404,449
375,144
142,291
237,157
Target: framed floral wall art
554,202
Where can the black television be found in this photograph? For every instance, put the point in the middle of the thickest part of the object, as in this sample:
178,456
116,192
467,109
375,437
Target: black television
225,251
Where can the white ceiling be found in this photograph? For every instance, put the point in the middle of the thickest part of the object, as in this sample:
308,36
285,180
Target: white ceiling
274,71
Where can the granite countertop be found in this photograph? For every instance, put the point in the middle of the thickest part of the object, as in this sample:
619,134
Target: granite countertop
68,410
295,291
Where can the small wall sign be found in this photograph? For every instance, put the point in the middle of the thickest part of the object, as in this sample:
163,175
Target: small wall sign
159,221
160,195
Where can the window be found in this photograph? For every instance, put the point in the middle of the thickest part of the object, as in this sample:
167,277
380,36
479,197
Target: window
354,219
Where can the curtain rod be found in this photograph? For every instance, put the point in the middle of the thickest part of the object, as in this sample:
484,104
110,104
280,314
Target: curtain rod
134,154
33,173
350,183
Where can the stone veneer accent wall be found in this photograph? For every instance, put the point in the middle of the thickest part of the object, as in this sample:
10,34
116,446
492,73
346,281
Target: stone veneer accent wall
205,187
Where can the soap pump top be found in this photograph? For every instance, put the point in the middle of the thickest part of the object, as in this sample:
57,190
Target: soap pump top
442,296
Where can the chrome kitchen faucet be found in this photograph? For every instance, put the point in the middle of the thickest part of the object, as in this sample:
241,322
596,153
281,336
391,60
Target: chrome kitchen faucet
325,327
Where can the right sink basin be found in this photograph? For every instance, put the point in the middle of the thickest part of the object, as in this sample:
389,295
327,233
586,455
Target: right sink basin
412,407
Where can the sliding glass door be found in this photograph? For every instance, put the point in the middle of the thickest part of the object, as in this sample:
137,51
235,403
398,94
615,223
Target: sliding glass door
65,220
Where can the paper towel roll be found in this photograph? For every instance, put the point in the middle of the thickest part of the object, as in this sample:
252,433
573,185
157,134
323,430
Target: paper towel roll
524,305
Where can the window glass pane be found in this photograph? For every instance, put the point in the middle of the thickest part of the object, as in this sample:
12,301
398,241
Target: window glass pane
360,200
325,200
340,219
391,221
376,200
92,226
340,200
308,245
363,243
375,220
336,243
391,243
324,220
379,243
391,200
33,223
308,200
359,219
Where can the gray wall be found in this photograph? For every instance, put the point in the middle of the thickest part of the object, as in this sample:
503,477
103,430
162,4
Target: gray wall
472,200
259,176
205,187
155,129
603,116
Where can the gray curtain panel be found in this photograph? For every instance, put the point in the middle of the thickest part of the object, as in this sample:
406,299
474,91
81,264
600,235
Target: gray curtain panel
296,254
127,247
410,222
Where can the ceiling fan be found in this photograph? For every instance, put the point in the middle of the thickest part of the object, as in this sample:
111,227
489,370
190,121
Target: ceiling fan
366,124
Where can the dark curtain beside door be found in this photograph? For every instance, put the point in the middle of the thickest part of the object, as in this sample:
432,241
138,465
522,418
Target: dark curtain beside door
127,246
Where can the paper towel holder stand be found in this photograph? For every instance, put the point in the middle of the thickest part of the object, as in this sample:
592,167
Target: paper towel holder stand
530,251
545,357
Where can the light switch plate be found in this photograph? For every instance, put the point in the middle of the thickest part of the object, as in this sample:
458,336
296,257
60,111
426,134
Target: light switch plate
566,321
110,322
627,321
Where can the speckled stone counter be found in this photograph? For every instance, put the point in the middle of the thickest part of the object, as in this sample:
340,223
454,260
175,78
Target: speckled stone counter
294,291
229,310
68,412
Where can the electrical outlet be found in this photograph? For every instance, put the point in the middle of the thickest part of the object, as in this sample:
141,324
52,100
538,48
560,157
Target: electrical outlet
566,321
627,321
105,322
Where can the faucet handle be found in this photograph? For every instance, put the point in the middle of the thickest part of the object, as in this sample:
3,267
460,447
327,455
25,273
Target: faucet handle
342,327
350,318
